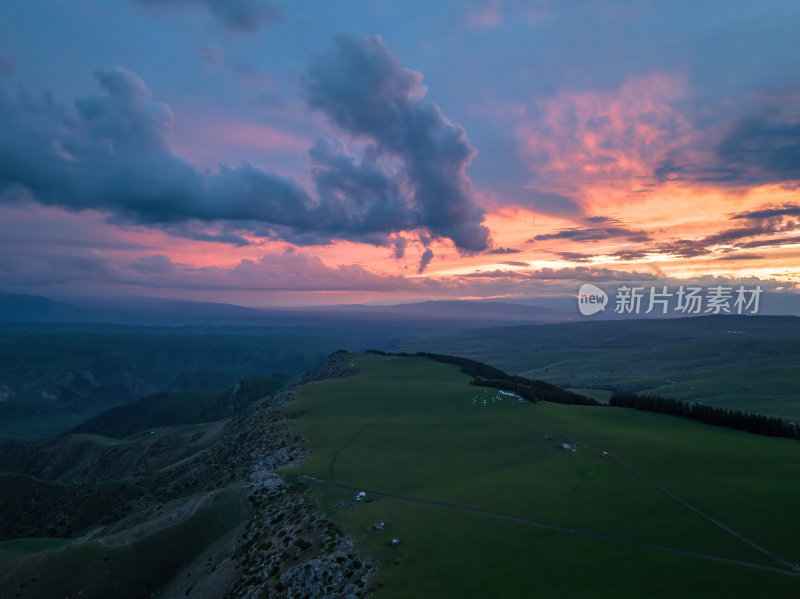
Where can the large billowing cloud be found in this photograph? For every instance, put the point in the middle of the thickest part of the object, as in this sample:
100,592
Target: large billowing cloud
245,16
368,93
109,152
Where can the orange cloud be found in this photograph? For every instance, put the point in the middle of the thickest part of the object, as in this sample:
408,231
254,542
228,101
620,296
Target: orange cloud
615,138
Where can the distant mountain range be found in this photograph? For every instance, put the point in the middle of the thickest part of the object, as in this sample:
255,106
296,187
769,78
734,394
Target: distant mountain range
131,310
461,314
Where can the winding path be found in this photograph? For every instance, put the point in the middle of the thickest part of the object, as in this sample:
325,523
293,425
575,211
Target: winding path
787,569
696,510
576,531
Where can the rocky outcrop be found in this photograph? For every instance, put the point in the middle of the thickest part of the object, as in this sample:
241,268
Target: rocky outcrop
291,550
121,493
334,367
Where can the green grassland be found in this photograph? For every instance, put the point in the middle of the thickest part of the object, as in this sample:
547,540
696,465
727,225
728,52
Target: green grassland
749,363
78,494
416,431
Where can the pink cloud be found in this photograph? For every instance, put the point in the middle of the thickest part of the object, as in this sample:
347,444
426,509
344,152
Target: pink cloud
203,143
281,271
259,136
611,137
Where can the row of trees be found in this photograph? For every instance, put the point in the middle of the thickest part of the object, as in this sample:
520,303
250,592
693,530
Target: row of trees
534,390
489,376
744,421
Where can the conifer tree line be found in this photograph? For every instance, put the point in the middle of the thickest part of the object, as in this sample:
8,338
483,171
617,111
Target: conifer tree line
534,391
744,421
485,375
489,376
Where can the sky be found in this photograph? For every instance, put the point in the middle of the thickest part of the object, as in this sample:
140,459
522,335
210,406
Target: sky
276,153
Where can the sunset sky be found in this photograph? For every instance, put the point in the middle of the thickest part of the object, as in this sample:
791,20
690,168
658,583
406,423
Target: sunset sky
274,153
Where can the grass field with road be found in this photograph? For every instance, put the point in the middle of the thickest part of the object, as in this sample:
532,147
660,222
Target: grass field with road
484,500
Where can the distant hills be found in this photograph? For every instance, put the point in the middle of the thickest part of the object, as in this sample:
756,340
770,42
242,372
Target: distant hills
419,318
172,408
130,310
33,308
133,310
749,363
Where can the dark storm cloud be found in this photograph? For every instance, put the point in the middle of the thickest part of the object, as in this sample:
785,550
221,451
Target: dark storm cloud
762,243
426,258
201,232
369,94
595,234
755,149
637,254
766,222
742,257
734,238
241,16
504,251
361,196
671,167
761,150
604,220
574,256
109,152
785,210
399,246
515,263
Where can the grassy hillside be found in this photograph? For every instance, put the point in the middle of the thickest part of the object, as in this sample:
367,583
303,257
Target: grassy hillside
749,363
135,568
483,500
180,407
180,510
